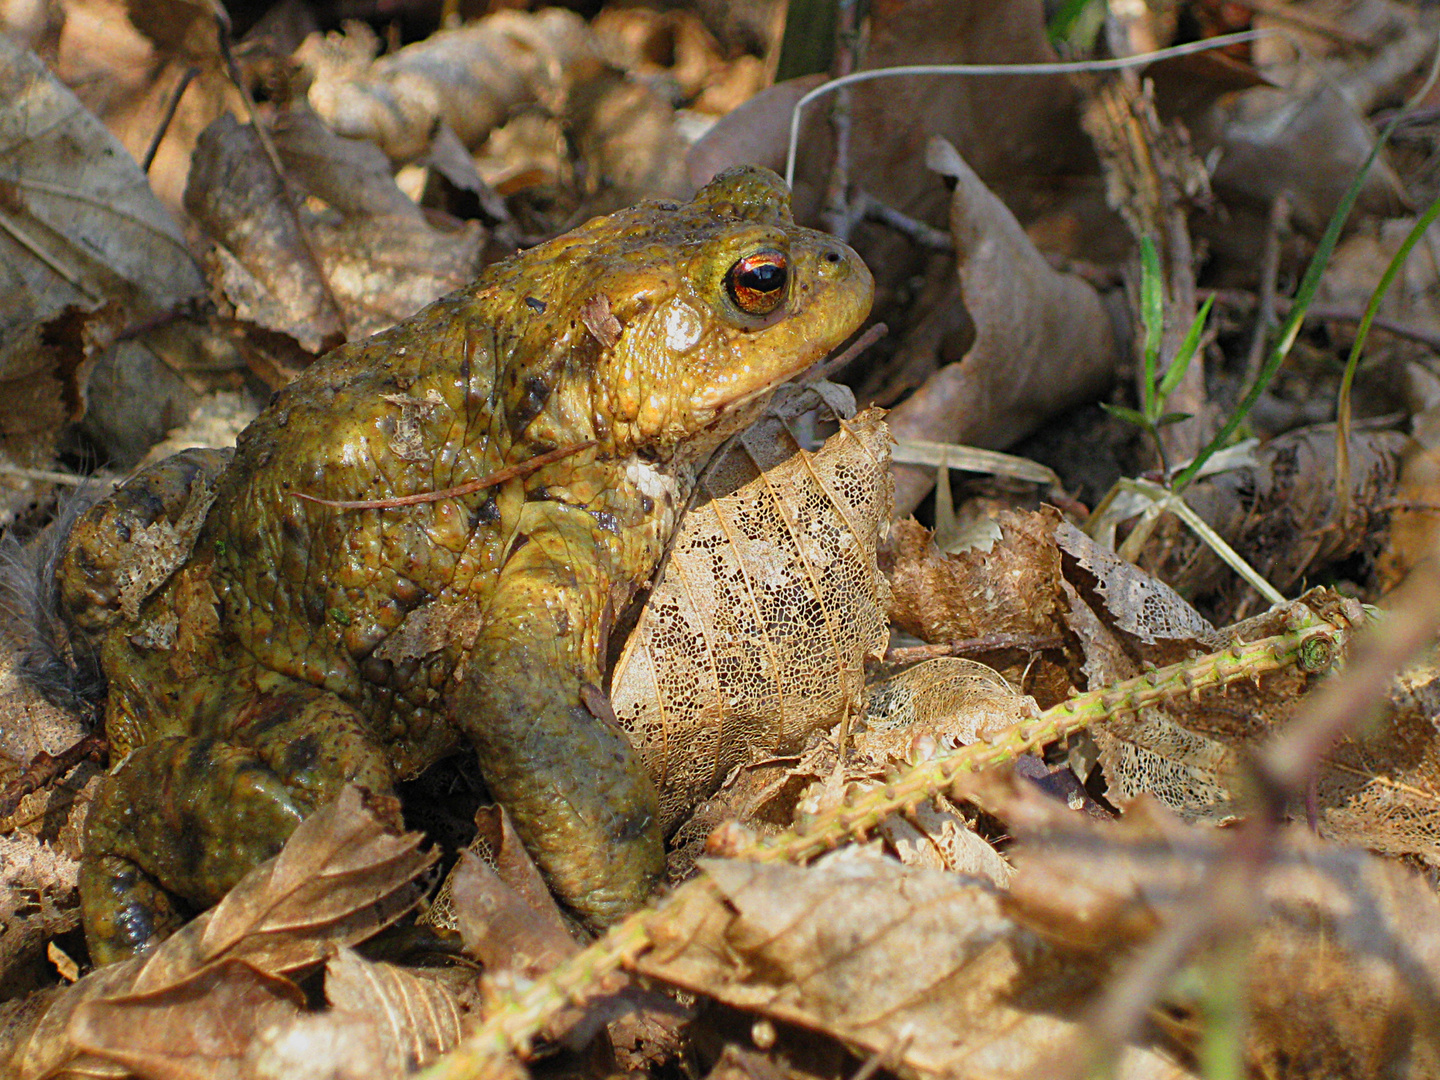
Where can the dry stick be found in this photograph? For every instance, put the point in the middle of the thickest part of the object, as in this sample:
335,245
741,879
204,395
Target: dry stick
829,367
1223,904
926,236
50,476
976,646
1311,644
174,103
1265,321
1327,313
510,472
838,217
232,68
44,768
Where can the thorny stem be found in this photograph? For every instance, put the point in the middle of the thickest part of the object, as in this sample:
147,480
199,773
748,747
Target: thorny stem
1312,644
1224,902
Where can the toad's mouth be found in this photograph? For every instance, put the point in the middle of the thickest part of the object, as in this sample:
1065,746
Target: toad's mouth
819,368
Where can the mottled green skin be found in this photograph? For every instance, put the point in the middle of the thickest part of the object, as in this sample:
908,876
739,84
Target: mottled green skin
302,646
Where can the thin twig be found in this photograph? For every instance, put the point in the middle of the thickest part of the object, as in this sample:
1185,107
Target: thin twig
926,236
976,646
837,216
49,476
45,768
843,359
1243,299
1265,321
186,78
500,476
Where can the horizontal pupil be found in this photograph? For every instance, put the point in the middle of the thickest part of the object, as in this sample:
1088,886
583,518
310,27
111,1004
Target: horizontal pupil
765,278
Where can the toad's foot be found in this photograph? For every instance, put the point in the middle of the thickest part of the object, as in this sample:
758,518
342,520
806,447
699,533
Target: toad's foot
179,821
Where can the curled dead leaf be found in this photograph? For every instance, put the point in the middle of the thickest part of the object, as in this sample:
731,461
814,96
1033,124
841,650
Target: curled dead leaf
341,877
1043,340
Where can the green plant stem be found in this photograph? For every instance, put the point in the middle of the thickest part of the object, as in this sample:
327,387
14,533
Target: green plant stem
1372,309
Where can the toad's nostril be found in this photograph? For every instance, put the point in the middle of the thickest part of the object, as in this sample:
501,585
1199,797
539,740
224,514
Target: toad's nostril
832,256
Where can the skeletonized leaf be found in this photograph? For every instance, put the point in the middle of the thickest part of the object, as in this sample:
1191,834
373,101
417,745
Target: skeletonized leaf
758,634
940,704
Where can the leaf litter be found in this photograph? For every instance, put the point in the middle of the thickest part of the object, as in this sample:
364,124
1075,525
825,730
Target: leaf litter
976,926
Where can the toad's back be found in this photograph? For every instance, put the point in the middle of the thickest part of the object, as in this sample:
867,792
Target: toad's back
303,644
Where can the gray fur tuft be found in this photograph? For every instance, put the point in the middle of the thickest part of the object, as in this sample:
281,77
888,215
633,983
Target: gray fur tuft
60,667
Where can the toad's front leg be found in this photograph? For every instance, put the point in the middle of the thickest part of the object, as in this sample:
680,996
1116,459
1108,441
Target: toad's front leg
580,799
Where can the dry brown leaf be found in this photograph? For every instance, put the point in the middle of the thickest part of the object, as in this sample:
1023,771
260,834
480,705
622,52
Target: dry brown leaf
1135,603
1020,134
471,81
194,1029
79,229
759,632
38,902
40,842
675,49
1357,264
266,268
1013,589
628,143
381,256
126,60
1341,969
502,929
939,837
921,966
1308,143
1043,340
1380,787
341,877
354,256
418,1016
1415,518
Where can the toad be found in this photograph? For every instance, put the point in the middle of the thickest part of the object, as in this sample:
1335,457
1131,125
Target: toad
424,542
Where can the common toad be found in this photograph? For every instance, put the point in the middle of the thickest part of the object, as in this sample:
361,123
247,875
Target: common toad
300,645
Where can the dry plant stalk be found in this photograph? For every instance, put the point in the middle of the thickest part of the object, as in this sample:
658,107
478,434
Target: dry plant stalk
1312,644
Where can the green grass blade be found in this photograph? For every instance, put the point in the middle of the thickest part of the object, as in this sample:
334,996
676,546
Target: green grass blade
1342,405
1309,284
1188,348
1152,316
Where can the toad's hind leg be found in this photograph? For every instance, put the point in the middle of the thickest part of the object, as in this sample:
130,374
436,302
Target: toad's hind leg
184,818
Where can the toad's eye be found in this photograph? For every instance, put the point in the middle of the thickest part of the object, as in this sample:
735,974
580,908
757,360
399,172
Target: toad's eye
757,282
